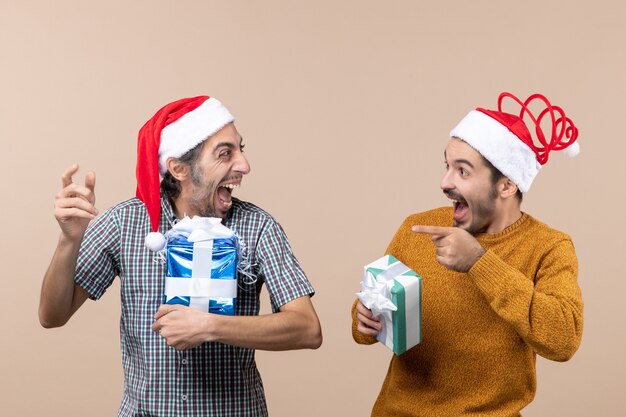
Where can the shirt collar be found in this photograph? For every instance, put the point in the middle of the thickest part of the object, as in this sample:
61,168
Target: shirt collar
168,217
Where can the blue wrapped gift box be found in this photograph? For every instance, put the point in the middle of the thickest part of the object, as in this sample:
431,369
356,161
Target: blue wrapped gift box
202,274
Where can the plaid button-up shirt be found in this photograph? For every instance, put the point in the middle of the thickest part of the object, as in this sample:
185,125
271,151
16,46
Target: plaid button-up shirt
213,379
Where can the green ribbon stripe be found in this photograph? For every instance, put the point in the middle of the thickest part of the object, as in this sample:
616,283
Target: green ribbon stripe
398,296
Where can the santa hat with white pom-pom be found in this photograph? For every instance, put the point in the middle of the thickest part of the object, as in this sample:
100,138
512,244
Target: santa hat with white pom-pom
175,129
505,141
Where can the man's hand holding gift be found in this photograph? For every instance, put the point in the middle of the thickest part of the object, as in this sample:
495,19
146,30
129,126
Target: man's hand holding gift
369,324
181,326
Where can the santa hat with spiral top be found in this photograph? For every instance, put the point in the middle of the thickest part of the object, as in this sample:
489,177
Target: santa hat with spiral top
174,130
505,140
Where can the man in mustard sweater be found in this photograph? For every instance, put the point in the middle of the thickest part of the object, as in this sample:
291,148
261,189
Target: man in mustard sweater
499,286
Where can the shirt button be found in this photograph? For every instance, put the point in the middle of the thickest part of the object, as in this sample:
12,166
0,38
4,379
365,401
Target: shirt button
184,397
184,361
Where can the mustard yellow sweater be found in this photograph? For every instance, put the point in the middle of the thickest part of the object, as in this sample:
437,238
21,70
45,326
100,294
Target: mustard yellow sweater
482,329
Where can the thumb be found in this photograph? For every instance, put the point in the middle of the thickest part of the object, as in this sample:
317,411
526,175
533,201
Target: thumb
90,180
166,309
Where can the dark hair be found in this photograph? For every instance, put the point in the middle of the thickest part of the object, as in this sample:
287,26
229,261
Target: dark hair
170,186
496,175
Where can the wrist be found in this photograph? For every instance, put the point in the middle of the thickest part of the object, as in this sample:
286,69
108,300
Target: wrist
211,325
480,251
69,242
475,256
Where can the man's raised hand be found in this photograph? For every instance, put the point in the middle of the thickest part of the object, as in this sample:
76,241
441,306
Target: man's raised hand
74,205
456,248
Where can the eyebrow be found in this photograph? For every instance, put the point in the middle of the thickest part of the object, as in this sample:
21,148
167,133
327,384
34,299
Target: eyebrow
459,161
464,161
224,144
229,145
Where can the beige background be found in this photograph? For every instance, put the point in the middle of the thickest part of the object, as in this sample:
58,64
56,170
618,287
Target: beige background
345,107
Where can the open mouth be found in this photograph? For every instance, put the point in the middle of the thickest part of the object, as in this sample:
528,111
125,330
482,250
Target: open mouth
461,209
224,196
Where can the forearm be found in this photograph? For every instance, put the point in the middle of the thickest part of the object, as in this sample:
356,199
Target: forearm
58,299
295,326
548,316
284,330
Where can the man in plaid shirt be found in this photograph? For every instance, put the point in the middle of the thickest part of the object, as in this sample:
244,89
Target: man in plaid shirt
177,360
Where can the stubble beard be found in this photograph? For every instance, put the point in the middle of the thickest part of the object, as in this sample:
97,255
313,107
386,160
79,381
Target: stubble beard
482,214
203,197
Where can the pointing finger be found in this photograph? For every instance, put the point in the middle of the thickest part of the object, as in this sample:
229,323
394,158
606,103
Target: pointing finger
433,230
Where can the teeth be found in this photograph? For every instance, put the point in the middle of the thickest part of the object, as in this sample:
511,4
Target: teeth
455,201
230,186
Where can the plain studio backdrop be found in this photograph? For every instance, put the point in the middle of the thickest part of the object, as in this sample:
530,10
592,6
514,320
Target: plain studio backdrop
345,108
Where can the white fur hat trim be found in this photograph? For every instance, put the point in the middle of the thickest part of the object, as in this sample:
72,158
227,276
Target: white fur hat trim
493,140
192,128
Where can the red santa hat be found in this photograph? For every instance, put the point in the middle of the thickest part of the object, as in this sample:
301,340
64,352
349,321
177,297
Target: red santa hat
505,140
175,129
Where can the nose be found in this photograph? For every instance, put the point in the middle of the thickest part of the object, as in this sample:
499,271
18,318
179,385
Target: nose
241,164
446,181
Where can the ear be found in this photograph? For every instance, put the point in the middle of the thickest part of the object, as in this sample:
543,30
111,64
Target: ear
507,188
177,169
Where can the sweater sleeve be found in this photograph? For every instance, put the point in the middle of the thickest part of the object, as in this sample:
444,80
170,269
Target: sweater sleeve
547,314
